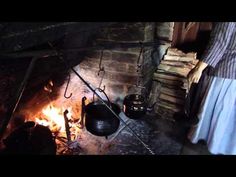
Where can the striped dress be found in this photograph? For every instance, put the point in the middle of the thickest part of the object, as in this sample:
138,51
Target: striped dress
220,54
217,107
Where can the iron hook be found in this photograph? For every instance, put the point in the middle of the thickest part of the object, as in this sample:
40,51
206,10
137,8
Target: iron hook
67,97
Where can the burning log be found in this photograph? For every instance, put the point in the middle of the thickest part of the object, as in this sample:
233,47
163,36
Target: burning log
67,125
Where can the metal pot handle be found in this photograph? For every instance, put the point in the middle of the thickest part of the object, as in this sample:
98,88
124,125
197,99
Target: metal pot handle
101,90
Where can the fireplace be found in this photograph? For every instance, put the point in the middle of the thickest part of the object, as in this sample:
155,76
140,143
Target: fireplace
120,58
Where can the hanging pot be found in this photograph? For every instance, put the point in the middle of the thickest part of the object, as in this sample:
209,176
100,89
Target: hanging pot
135,106
98,119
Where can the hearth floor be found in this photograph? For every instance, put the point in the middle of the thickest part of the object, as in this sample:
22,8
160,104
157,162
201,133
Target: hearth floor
163,136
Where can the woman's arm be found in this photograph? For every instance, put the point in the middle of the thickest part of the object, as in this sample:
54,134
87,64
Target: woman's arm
220,37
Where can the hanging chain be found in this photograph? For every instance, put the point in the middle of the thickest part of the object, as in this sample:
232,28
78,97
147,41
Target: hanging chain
139,65
139,57
101,69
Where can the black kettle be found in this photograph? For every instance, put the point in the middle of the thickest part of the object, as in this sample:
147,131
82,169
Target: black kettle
135,106
98,119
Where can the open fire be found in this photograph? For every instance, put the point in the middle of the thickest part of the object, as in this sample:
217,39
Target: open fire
52,117
49,111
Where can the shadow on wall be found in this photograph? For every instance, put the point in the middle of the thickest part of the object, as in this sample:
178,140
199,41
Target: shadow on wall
199,45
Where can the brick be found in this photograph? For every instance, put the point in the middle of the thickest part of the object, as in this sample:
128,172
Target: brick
122,32
124,57
88,64
165,30
128,34
115,88
149,32
120,77
131,68
97,54
115,66
117,98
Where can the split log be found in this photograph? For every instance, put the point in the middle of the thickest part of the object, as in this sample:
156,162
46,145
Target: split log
179,93
171,99
179,58
167,76
165,85
170,82
174,70
176,52
169,106
189,65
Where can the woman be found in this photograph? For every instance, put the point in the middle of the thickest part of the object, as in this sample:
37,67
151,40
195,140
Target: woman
217,106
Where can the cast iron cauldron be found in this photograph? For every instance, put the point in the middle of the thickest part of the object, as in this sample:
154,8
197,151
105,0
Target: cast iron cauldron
99,120
135,106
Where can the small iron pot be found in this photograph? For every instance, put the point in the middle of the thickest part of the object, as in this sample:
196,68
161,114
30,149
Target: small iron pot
135,106
99,120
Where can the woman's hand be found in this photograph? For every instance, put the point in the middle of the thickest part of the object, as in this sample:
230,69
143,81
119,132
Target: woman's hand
195,74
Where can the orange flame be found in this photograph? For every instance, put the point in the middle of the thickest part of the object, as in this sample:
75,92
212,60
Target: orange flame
53,118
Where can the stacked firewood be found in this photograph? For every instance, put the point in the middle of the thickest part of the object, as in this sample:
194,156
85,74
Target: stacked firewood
170,80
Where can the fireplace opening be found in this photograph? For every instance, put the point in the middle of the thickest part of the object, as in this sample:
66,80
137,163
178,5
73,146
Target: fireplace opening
51,73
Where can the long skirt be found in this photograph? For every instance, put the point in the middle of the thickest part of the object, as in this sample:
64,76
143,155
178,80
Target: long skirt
217,116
